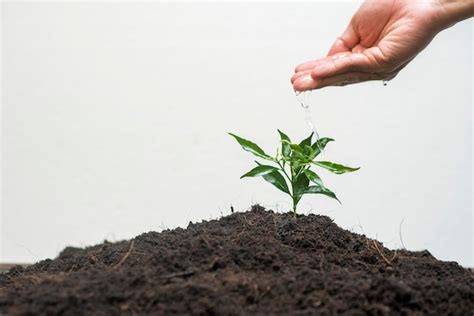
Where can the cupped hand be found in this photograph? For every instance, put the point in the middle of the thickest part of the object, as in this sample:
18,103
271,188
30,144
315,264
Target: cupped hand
381,39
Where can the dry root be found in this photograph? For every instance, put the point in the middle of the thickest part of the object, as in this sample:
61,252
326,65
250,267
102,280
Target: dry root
381,253
130,249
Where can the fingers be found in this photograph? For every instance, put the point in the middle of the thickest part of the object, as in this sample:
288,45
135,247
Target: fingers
336,64
349,78
346,68
307,82
304,82
345,62
299,74
307,65
314,63
331,66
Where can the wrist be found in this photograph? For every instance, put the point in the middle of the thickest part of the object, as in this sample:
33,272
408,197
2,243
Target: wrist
450,12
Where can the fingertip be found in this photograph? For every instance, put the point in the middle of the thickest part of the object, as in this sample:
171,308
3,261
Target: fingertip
304,83
296,76
300,68
293,78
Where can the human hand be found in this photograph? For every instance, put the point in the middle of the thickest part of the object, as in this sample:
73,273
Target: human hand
381,39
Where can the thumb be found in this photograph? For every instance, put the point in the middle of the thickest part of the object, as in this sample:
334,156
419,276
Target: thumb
345,42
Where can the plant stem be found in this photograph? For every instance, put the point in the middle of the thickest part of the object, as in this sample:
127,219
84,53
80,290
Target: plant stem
292,181
294,208
284,171
293,196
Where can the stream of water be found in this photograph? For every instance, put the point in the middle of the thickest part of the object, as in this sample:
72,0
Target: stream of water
303,99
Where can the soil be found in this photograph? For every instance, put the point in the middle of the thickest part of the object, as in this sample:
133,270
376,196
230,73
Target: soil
251,263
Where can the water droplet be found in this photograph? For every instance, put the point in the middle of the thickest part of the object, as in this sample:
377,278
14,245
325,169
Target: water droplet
302,98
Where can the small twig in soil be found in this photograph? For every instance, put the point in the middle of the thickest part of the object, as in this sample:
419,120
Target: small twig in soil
246,220
94,260
321,263
362,263
265,292
203,238
256,292
275,224
368,244
394,256
212,265
382,254
130,249
245,224
178,274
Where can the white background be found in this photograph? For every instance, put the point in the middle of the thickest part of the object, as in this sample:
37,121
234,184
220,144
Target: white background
115,120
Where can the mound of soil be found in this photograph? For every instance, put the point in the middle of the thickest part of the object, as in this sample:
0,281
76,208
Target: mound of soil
257,262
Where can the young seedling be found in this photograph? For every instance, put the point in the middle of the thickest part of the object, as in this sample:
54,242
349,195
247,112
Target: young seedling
293,162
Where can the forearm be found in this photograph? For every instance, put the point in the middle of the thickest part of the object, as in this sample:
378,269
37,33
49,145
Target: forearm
453,11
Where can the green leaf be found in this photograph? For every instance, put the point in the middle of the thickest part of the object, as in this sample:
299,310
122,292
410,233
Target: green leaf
297,156
303,151
301,157
314,189
313,177
296,148
306,141
277,180
299,186
320,144
297,162
309,153
251,147
334,167
319,188
260,170
285,144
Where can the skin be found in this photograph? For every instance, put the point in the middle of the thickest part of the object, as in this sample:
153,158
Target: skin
381,39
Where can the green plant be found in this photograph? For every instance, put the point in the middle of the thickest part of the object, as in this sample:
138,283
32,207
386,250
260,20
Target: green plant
293,162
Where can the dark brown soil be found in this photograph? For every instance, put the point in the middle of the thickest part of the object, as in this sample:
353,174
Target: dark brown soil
251,263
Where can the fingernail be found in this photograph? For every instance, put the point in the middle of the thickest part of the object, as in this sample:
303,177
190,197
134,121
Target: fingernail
296,76
303,82
305,78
